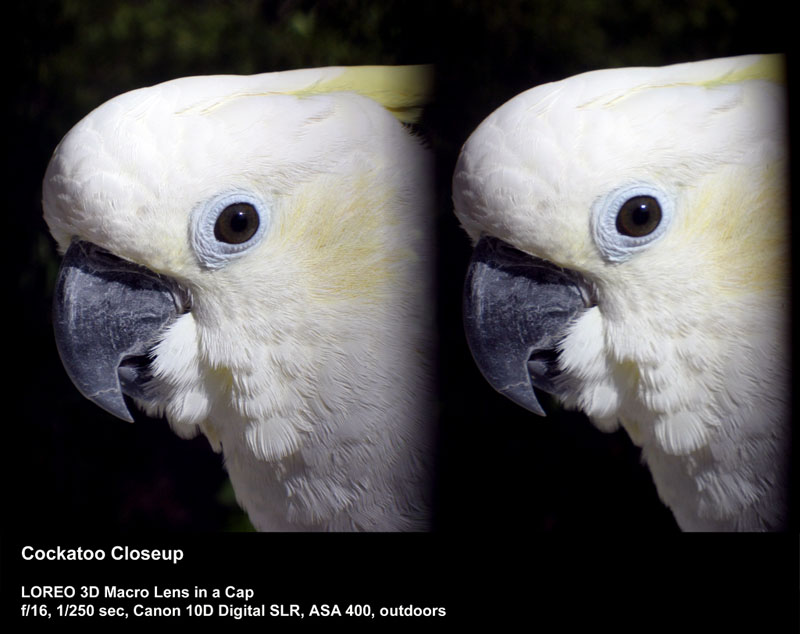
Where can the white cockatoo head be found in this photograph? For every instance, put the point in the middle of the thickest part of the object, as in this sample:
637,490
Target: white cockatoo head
249,256
631,234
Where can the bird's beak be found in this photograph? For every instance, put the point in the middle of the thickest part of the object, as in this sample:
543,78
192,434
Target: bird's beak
107,315
516,308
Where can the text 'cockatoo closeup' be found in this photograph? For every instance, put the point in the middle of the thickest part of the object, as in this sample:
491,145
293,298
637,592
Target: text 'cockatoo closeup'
631,234
250,257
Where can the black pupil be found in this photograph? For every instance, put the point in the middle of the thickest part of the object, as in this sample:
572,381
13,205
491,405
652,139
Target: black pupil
236,224
639,216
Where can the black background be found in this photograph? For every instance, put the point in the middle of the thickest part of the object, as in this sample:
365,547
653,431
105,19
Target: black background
547,518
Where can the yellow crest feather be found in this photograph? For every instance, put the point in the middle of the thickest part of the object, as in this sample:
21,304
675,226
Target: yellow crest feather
402,90
767,68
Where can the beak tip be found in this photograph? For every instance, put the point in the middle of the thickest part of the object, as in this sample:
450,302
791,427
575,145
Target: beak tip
113,402
524,396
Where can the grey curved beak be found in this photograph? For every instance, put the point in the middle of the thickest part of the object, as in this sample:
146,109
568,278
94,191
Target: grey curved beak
516,308
107,314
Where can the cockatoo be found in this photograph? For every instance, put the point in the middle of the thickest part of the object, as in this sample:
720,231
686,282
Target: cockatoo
250,257
631,257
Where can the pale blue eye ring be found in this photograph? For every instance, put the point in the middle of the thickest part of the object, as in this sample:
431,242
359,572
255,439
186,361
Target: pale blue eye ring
228,226
616,245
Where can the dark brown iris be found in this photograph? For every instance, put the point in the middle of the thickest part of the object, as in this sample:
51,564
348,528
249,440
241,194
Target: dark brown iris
236,224
639,216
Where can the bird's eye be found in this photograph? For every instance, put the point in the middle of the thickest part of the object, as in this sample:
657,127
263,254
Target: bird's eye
630,219
227,226
639,216
236,224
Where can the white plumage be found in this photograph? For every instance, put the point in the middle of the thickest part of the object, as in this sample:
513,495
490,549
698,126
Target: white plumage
306,354
682,336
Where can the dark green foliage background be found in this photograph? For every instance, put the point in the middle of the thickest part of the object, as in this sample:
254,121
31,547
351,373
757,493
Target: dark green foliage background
69,466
